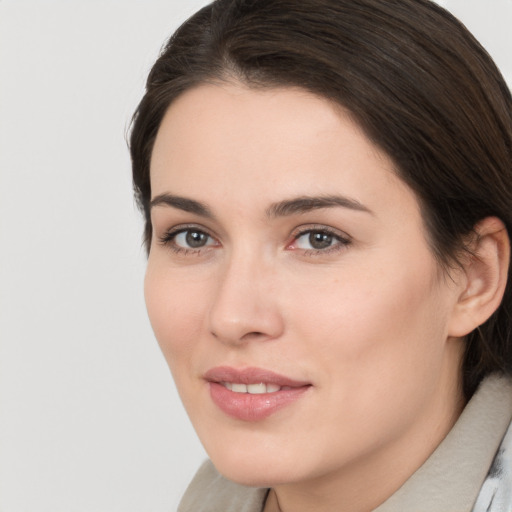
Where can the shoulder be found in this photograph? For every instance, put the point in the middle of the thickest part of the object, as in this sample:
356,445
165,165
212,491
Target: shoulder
209,491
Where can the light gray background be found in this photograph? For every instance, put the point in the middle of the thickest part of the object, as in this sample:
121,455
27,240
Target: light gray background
90,420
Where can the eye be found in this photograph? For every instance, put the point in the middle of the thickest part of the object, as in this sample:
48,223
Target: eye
188,239
192,239
319,240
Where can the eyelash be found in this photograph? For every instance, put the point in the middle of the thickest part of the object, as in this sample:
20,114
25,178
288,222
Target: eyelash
169,237
340,241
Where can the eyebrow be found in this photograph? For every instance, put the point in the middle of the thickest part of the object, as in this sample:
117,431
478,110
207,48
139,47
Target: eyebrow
182,203
298,205
305,204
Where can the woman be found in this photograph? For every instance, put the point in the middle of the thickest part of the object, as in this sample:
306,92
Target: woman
327,186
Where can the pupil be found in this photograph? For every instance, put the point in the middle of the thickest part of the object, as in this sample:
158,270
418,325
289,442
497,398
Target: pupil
320,240
196,239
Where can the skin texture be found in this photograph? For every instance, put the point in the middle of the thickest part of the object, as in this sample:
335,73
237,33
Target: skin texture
370,321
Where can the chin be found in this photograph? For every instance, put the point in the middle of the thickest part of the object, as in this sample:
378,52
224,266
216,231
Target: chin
252,474
259,464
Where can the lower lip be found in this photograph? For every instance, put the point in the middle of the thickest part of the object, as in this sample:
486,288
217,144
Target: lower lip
249,407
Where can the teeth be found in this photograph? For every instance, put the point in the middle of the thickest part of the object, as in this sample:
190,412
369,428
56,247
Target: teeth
256,389
252,389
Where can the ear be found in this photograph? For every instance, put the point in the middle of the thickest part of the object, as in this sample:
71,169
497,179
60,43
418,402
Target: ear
484,274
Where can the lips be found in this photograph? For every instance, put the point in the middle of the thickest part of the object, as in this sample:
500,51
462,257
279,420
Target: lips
252,394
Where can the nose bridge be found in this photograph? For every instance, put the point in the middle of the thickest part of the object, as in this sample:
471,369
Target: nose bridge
245,306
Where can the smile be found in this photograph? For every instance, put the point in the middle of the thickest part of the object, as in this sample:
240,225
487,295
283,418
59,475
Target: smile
252,394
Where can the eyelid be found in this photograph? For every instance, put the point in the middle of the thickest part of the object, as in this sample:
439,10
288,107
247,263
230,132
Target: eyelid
307,228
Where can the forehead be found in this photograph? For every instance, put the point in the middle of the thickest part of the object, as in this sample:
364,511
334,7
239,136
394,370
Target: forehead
226,119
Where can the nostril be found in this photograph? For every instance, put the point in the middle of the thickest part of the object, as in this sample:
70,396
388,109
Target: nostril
253,334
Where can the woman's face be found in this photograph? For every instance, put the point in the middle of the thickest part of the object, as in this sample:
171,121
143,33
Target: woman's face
292,290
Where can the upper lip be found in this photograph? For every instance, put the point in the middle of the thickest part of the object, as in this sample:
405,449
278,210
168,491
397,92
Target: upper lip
251,375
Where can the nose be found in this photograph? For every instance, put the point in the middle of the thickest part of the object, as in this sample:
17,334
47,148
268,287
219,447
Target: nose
245,306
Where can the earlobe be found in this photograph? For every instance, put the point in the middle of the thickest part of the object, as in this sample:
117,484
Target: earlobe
485,277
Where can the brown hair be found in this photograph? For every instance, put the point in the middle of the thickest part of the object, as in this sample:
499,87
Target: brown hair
418,83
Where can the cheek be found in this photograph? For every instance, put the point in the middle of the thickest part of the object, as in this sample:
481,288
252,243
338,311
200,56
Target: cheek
378,343
175,311
378,325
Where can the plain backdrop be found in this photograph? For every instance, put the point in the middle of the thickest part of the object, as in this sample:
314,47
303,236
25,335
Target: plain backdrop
90,420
